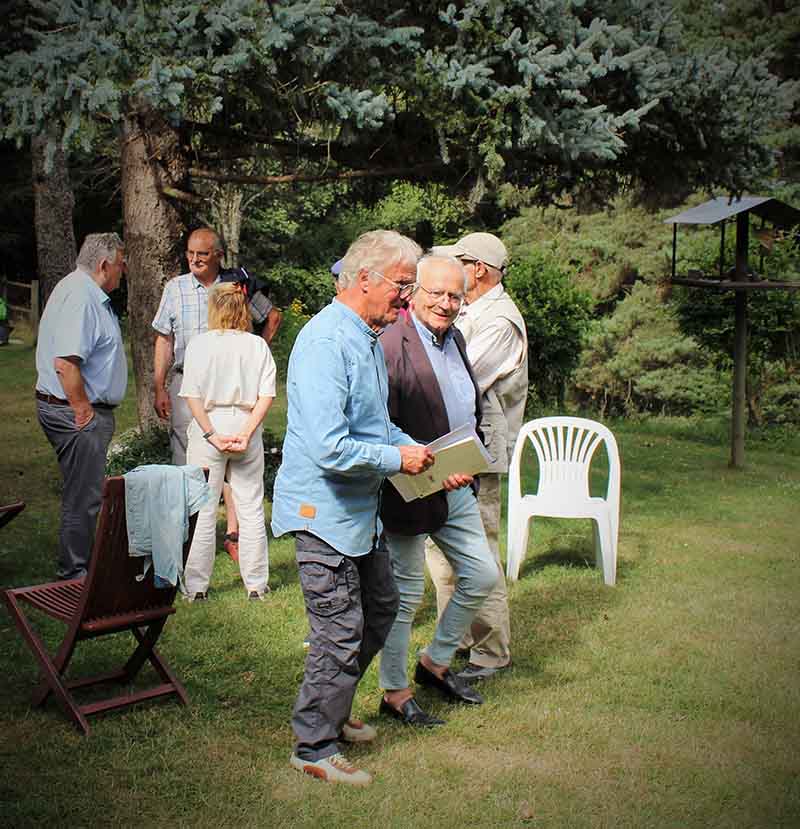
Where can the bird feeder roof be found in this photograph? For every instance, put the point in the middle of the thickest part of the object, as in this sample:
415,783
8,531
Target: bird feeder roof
717,210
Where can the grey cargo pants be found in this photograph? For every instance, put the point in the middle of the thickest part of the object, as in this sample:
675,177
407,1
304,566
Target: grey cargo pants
351,603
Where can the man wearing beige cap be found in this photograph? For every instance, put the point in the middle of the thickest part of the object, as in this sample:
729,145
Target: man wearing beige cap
497,347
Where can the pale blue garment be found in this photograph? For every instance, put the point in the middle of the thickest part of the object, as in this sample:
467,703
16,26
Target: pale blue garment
78,321
340,443
159,499
455,384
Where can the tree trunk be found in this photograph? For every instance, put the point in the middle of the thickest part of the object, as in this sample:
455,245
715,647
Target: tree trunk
53,204
151,159
226,210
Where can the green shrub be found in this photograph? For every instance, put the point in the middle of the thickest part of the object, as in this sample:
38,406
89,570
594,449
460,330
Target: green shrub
773,316
637,360
294,318
313,287
556,315
774,394
134,448
408,204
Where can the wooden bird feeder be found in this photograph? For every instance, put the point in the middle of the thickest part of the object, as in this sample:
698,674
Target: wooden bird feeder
741,279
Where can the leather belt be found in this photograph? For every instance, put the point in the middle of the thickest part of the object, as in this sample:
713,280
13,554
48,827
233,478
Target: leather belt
57,401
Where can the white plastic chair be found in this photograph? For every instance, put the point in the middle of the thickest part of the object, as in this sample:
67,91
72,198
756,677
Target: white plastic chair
564,447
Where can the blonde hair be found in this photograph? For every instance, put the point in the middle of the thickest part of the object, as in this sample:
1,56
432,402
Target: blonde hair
227,308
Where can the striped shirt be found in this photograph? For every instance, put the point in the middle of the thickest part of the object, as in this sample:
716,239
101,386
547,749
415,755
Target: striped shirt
183,312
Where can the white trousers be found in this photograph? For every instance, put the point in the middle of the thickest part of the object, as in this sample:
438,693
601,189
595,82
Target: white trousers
246,477
179,420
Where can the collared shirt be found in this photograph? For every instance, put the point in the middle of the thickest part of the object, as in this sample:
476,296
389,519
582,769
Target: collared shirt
494,350
79,321
159,499
340,443
184,311
454,381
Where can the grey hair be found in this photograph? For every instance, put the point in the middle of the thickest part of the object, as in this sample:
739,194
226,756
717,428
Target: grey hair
377,250
217,243
99,246
439,257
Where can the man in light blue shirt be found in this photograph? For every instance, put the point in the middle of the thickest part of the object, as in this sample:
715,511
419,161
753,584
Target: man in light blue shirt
82,374
339,447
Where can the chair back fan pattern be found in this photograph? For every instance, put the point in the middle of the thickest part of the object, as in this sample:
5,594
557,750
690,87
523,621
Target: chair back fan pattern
565,448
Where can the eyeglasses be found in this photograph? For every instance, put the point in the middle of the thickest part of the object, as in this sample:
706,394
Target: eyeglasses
404,289
202,255
438,296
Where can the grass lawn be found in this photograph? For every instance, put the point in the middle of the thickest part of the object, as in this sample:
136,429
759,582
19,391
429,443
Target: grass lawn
670,700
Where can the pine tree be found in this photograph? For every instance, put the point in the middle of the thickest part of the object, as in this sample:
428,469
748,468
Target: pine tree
553,96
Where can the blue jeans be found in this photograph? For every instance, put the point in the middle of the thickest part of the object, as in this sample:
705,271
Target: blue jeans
463,541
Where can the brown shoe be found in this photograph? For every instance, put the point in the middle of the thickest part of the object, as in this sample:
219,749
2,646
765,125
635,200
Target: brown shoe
231,545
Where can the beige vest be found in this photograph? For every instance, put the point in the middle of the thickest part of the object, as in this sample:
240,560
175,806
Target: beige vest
504,402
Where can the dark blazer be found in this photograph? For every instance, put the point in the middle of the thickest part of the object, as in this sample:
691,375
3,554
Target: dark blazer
417,407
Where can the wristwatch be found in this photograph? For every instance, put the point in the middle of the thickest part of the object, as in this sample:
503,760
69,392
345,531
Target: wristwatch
207,435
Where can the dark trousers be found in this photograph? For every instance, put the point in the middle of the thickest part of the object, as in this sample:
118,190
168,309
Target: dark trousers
81,456
351,603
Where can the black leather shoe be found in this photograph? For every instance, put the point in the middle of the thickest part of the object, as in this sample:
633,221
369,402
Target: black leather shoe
410,713
473,673
453,688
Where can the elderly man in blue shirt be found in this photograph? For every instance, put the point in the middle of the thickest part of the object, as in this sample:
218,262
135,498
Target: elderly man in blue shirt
82,374
339,447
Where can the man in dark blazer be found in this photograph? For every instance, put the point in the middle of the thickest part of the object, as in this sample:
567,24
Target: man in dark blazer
431,392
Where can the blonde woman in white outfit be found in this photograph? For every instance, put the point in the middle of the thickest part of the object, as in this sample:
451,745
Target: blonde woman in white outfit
229,385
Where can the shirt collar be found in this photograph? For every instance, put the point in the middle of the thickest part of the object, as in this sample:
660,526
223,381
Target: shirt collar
348,313
490,296
99,294
198,284
428,336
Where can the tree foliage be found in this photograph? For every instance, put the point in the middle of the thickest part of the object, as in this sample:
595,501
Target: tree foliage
551,95
556,315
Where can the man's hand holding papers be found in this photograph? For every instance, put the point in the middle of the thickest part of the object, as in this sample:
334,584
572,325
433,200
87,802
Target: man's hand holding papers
459,456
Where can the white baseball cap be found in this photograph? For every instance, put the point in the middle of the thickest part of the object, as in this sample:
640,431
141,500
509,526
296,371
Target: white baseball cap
485,247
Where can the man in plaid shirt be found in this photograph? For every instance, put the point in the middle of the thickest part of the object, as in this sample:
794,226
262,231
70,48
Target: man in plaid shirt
182,314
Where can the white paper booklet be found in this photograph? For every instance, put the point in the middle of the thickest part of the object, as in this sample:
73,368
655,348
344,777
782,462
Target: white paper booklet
458,451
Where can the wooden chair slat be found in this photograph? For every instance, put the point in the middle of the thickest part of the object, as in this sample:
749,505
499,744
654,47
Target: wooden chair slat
112,597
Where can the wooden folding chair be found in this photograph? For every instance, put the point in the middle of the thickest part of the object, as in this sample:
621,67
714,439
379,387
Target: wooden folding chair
9,511
109,599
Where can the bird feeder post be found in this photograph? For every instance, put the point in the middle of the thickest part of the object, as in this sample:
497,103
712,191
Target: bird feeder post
739,419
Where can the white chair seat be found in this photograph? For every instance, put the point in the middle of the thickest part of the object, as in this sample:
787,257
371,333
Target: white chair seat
564,448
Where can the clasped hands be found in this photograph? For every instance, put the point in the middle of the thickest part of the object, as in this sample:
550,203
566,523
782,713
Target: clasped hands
415,459
229,443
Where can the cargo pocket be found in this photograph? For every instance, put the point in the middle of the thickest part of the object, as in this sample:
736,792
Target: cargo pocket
323,579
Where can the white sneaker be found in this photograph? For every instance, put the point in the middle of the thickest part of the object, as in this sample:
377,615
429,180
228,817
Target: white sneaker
333,769
356,731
